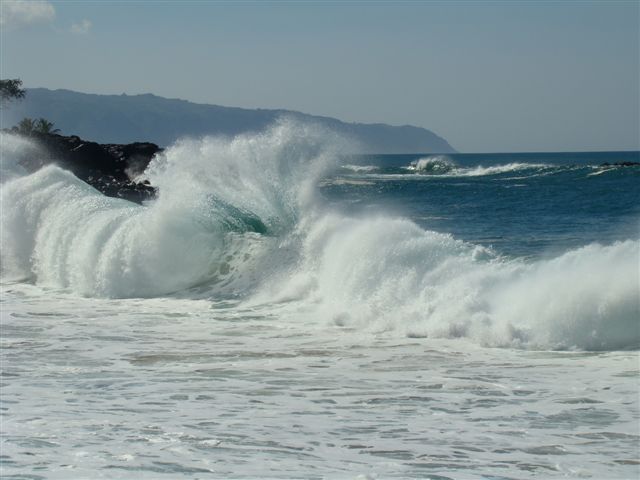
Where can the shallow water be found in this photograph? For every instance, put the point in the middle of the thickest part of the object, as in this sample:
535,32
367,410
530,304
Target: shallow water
165,388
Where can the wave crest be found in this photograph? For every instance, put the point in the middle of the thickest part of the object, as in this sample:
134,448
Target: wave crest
432,165
221,202
387,274
239,217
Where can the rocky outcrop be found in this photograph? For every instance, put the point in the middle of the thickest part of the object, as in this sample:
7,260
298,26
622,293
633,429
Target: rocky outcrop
109,168
621,164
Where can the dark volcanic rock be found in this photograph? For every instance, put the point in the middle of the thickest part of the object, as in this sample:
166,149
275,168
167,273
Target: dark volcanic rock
621,164
109,168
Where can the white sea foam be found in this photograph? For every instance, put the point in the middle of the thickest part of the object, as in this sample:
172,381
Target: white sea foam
222,202
292,377
434,165
240,217
388,274
480,171
183,389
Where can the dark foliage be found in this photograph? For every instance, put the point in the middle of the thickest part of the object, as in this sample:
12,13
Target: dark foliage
10,90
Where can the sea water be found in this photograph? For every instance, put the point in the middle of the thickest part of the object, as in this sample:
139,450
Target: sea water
285,309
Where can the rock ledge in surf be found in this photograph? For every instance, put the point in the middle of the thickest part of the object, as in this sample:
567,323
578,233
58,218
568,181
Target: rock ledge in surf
621,164
109,168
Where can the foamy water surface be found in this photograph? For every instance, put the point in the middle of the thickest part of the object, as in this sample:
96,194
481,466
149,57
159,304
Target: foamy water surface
166,388
275,315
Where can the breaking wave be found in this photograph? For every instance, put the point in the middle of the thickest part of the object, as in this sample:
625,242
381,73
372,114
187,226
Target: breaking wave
240,218
434,165
388,274
443,165
480,171
222,204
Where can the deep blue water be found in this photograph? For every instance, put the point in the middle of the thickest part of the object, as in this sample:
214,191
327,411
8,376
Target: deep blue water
523,204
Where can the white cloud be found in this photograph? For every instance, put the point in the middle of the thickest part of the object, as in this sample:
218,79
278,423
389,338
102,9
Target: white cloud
18,13
81,28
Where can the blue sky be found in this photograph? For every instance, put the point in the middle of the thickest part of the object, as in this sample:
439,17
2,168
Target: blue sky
487,76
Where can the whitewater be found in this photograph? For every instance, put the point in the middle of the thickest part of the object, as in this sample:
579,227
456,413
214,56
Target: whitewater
281,312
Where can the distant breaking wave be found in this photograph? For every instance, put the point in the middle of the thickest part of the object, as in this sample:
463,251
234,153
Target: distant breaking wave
239,218
508,168
434,165
444,165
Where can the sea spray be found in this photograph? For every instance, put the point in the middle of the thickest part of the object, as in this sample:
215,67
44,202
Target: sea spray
14,150
222,204
241,217
432,165
387,274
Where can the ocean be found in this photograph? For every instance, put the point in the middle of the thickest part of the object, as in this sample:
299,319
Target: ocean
285,309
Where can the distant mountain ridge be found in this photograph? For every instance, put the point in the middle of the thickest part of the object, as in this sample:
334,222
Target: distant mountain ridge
131,118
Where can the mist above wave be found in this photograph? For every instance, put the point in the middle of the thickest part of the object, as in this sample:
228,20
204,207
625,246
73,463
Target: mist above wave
221,202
